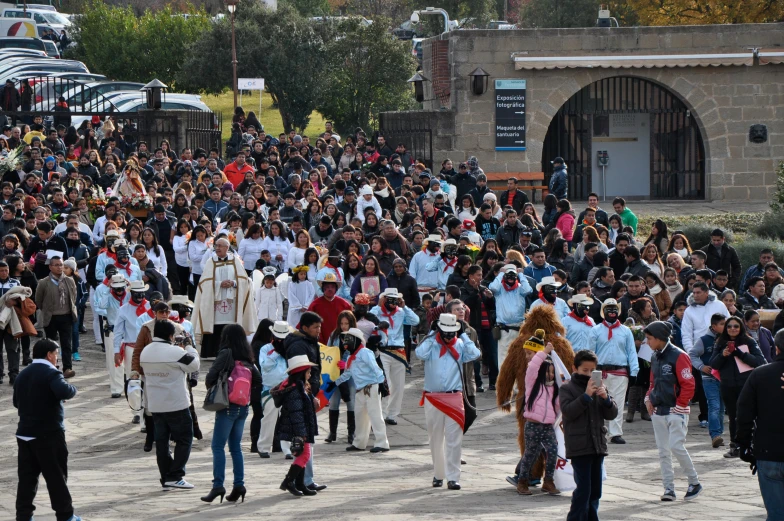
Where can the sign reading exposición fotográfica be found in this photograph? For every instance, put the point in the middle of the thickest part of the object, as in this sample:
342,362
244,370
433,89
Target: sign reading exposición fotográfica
510,114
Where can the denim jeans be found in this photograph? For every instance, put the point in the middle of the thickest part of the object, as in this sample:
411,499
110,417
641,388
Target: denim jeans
75,338
308,476
229,424
771,481
712,388
176,426
585,498
335,399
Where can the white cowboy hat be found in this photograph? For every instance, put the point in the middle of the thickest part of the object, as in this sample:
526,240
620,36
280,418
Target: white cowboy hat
280,329
118,281
120,242
450,241
448,322
138,285
391,292
366,190
434,238
182,300
547,281
298,362
609,302
356,332
580,298
111,233
508,267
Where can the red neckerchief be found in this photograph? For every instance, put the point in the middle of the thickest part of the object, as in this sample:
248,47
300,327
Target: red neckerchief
127,268
585,320
611,327
177,319
105,282
541,297
450,264
337,273
447,346
507,287
115,297
269,353
388,316
111,255
353,356
141,307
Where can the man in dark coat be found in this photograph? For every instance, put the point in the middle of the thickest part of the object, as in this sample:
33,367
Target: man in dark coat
722,256
9,97
463,181
512,196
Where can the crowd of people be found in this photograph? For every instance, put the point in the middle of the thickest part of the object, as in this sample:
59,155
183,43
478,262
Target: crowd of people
260,259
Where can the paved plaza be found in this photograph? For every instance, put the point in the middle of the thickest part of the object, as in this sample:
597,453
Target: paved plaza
112,479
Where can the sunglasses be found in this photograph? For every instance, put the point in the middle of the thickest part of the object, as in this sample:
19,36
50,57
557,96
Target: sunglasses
732,326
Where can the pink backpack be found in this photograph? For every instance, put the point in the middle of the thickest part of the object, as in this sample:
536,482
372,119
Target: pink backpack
239,384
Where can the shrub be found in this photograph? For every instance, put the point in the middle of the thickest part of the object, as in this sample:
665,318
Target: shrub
749,250
771,225
700,234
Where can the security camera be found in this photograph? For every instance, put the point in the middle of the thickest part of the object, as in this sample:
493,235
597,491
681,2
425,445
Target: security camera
415,17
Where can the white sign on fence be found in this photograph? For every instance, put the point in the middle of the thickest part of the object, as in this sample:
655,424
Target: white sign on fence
250,83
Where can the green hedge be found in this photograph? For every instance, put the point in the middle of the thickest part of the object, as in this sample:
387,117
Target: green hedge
771,226
699,234
749,250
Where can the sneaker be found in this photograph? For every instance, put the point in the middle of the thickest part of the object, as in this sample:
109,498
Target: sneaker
491,387
512,480
669,495
618,440
704,424
693,491
390,421
288,456
717,442
178,484
116,395
480,389
136,419
77,357
734,452
374,450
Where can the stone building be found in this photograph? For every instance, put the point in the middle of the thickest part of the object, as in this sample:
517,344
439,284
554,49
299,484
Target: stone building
691,112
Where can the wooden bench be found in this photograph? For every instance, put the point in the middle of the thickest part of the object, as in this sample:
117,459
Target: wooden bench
525,181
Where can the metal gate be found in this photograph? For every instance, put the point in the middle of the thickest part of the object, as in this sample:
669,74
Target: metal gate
677,164
412,130
203,130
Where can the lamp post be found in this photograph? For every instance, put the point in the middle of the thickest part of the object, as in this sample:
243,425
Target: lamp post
419,88
479,81
231,5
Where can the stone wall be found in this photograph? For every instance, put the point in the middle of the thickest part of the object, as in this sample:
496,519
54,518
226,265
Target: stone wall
725,100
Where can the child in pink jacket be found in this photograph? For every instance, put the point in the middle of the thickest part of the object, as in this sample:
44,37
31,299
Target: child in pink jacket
541,408
564,219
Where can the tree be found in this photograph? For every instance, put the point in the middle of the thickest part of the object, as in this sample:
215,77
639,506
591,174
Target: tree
692,12
282,47
115,42
366,73
309,7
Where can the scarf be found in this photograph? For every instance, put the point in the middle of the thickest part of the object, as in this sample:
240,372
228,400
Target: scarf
141,307
449,264
610,327
544,298
61,289
111,255
126,268
399,215
655,290
353,356
585,320
388,316
383,193
447,346
507,287
118,299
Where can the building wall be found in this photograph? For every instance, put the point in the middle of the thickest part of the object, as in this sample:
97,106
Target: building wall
726,101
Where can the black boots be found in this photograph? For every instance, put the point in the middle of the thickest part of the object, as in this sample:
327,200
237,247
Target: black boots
351,426
636,402
334,418
150,433
300,484
290,481
236,493
215,492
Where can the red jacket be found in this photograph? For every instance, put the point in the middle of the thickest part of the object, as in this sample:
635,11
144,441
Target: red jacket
235,174
672,383
329,310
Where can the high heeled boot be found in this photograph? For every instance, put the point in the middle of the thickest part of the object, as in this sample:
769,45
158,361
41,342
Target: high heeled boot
290,481
352,425
237,492
334,418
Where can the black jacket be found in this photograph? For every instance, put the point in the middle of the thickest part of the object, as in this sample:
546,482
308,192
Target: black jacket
580,271
746,302
39,391
728,261
405,285
479,194
487,229
463,183
297,344
518,201
617,263
728,369
220,363
38,246
509,235
473,298
759,412
583,418
297,415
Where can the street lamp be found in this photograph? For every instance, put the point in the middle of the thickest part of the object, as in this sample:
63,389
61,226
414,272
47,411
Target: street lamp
231,5
419,88
479,81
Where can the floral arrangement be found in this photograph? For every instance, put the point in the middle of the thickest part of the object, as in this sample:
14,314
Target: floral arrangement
12,160
136,202
232,240
472,251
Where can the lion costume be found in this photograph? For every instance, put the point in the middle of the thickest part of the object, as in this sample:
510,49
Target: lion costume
515,364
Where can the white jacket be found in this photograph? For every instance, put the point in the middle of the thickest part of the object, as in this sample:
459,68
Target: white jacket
697,319
269,303
362,204
166,367
777,293
250,251
180,246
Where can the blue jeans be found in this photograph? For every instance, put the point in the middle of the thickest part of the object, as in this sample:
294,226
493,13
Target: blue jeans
229,424
771,482
712,388
335,399
585,498
75,338
308,476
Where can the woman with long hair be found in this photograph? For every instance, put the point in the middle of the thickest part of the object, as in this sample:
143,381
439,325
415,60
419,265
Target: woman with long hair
460,275
311,261
488,261
467,208
180,247
352,264
734,356
133,234
278,244
760,334
590,235
313,213
489,245
658,290
616,225
560,257
650,257
370,269
180,206
659,236
154,250
680,244
564,219
618,290
346,320
671,284
379,248
234,355
530,209
296,255
550,210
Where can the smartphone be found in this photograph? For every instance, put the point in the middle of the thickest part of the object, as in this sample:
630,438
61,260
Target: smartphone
596,376
731,346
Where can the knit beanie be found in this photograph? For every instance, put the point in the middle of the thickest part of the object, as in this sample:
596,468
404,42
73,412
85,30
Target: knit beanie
70,263
659,329
536,342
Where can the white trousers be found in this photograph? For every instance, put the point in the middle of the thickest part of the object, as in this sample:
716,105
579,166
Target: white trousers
616,388
446,439
670,433
367,411
96,318
507,337
116,383
267,434
396,378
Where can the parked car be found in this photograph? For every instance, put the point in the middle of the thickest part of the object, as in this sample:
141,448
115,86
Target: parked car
80,95
52,50
15,42
57,21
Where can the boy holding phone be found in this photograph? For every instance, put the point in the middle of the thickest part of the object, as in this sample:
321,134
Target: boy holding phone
585,406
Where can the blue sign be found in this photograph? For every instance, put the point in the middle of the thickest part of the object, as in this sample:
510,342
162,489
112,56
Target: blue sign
510,114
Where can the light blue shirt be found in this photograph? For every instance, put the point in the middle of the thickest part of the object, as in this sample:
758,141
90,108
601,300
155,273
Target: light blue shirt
343,289
364,370
127,325
442,372
419,269
439,266
619,350
577,333
106,305
561,307
103,260
273,367
510,305
402,316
